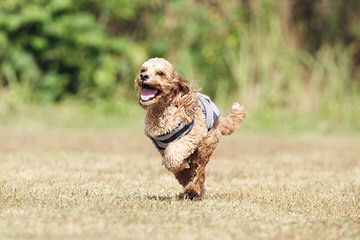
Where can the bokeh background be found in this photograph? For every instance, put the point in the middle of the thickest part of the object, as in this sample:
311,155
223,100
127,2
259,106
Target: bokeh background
293,63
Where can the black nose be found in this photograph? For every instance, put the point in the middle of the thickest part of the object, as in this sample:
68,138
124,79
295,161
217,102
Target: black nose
144,77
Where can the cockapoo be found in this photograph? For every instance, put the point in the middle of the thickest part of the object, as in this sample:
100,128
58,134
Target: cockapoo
184,125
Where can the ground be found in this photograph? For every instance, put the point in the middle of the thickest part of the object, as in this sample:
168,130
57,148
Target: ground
109,184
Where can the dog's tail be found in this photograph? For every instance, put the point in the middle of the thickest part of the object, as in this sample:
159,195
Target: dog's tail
231,121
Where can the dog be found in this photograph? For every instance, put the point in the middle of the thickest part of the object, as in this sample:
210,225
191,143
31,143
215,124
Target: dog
184,125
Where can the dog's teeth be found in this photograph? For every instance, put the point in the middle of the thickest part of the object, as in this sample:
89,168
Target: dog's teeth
145,98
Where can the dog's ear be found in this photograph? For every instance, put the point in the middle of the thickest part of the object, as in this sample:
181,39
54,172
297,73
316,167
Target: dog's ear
182,84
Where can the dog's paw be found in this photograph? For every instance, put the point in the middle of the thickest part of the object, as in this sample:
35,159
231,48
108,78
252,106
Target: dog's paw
174,158
190,195
175,165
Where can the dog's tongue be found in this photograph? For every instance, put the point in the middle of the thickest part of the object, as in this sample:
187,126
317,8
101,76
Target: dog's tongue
147,93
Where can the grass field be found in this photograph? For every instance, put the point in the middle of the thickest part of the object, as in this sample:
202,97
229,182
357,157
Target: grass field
109,184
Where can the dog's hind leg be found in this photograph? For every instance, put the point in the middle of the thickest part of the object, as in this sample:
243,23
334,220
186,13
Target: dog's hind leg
185,177
193,178
195,189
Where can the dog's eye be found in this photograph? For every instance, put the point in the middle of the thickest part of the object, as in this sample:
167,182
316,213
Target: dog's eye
160,73
142,70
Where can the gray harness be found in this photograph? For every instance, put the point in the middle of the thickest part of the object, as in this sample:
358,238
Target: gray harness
211,113
210,110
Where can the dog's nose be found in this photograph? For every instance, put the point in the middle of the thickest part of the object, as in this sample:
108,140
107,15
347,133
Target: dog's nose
144,77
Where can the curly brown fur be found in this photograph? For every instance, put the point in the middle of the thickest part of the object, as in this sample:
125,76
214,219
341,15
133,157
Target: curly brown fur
169,100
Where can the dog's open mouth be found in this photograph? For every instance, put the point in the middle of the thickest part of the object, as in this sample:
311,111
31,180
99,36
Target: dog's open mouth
148,93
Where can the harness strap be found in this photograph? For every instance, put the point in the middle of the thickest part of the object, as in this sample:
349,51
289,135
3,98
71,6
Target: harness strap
211,113
163,140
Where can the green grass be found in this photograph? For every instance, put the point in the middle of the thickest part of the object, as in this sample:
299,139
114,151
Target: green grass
109,184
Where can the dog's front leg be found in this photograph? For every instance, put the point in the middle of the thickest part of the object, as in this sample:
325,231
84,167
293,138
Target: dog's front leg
176,153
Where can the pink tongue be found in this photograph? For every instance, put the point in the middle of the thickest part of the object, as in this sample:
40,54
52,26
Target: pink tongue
147,93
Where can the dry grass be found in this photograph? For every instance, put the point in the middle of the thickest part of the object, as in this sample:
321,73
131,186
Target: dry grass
110,185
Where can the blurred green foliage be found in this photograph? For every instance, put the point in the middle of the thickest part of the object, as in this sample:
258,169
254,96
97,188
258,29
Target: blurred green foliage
59,47
297,56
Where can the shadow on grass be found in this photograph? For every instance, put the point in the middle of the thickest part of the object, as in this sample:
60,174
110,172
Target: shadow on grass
178,197
162,198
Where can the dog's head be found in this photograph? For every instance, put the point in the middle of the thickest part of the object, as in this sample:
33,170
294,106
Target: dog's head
157,79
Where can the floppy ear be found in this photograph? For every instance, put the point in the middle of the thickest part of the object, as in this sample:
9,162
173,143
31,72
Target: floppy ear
182,83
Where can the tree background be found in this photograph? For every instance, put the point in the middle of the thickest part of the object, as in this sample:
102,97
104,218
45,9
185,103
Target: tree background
282,59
